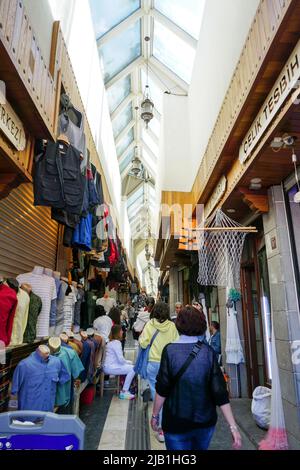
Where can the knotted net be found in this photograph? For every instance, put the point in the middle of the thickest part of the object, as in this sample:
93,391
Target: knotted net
220,246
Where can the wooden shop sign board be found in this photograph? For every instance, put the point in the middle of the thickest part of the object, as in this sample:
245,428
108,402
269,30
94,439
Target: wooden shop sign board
216,196
12,127
287,81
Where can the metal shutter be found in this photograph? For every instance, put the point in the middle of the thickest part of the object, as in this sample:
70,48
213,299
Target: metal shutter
28,236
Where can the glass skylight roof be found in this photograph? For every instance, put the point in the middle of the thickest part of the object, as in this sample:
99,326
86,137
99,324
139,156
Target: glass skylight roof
122,120
186,14
109,13
121,50
117,93
125,142
124,164
173,52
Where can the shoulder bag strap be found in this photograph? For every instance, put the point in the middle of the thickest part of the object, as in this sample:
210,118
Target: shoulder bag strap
187,363
153,338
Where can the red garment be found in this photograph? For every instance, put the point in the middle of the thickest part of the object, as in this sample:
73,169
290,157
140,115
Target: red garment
113,254
8,305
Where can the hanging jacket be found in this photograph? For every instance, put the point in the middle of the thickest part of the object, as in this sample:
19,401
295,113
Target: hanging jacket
58,181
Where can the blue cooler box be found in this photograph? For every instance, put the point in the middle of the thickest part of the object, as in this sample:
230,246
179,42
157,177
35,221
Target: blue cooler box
36,430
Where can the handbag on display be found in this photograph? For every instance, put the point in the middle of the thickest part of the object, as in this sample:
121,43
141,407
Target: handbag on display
141,364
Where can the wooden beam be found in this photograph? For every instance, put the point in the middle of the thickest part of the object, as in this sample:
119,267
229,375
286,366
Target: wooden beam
256,200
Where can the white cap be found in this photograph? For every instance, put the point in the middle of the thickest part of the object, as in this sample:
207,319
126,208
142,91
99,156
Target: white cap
90,331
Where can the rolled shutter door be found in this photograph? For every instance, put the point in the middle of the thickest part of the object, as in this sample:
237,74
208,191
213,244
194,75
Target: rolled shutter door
28,236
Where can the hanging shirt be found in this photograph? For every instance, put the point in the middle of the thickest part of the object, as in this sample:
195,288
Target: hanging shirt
35,382
8,305
103,326
85,359
77,309
59,326
107,304
69,304
44,287
20,319
35,307
74,367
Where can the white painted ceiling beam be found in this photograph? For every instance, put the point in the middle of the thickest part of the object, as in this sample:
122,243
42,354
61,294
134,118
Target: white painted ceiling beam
164,20
124,72
160,69
121,27
124,132
130,147
122,106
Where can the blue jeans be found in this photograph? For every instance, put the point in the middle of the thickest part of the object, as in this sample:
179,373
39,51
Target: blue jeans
152,371
198,439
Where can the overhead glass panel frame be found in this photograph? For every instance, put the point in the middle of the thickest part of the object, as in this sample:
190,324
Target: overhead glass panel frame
122,120
186,14
125,142
173,52
123,165
150,142
109,13
118,92
121,50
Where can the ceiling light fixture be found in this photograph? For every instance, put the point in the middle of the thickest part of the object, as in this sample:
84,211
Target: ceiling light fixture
255,184
283,142
147,104
136,167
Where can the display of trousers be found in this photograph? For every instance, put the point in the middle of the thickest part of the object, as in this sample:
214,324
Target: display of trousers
8,305
68,309
35,382
35,307
21,318
58,181
43,286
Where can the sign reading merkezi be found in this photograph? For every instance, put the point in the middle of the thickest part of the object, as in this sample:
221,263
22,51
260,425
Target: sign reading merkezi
12,127
286,82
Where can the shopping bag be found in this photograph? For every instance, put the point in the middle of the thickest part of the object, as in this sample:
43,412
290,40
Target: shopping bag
261,407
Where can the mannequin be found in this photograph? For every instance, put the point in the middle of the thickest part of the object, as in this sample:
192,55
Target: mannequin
90,332
64,338
56,274
43,351
54,344
83,335
74,343
36,378
48,272
44,287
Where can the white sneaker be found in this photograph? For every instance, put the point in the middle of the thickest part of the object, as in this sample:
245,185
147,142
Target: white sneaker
126,396
160,436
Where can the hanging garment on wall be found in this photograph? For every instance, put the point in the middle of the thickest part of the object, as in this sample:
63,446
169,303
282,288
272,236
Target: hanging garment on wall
82,236
35,382
8,305
91,298
85,359
73,130
77,310
74,368
68,309
233,349
44,287
98,184
58,181
35,307
21,318
108,303
64,218
59,326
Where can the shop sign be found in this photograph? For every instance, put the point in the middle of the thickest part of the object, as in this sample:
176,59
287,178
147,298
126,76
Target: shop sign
287,81
12,127
216,196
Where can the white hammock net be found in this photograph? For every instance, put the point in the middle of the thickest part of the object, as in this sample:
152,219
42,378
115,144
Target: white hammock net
220,252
